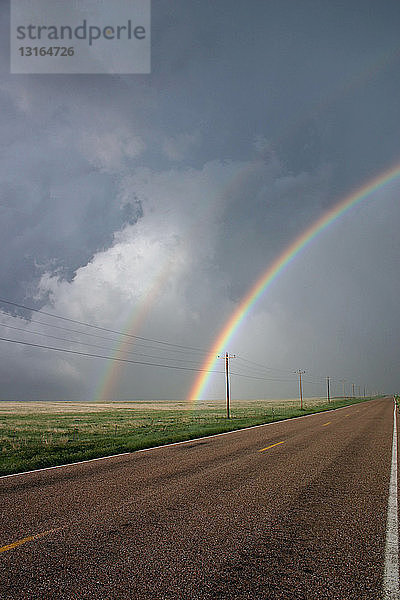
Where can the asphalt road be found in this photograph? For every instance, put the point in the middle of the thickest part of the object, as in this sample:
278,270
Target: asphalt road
293,510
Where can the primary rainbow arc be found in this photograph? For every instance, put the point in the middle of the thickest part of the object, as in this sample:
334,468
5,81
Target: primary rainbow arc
277,267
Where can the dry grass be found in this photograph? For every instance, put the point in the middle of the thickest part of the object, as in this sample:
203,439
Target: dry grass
61,407
41,434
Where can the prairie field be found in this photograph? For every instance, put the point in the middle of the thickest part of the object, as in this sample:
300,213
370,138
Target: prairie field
42,434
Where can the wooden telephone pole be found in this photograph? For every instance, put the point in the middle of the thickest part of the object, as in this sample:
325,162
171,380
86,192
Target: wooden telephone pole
227,356
300,373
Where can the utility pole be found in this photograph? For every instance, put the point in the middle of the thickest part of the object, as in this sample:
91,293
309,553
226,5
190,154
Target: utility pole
227,356
328,392
300,373
344,388
353,390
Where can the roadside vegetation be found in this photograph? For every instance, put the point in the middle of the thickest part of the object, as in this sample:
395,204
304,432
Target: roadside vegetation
37,435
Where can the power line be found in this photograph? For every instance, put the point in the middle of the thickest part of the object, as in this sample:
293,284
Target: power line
261,378
54,337
254,370
313,379
264,367
316,380
125,360
103,337
136,362
137,337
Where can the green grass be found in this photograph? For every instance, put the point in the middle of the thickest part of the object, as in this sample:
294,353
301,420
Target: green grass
32,440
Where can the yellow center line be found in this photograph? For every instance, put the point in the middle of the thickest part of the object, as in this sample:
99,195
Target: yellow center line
325,424
28,539
271,446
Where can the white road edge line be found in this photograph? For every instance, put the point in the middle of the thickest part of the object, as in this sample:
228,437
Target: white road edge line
205,437
391,572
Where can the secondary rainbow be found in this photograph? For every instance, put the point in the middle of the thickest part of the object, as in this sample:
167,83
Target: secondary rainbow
108,383
277,267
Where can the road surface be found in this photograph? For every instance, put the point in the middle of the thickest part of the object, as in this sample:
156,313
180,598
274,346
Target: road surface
292,510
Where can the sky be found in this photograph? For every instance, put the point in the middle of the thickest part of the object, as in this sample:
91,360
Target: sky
150,204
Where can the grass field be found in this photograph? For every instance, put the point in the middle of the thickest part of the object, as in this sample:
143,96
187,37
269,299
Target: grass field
43,434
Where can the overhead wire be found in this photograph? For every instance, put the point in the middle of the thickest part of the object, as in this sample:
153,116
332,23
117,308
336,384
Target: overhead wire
247,368
129,361
311,378
54,337
87,354
122,333
110,339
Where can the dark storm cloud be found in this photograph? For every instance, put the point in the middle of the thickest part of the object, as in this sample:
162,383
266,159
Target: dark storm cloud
57,225
58,198
267,209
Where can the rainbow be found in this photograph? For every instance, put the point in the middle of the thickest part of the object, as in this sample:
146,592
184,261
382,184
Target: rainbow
277,267
112,374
